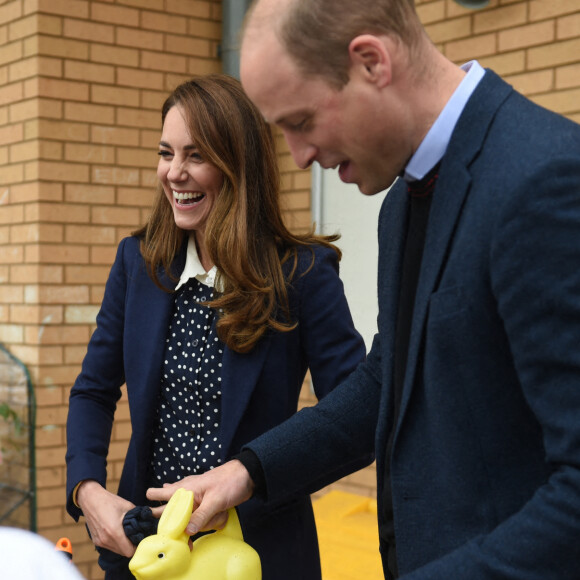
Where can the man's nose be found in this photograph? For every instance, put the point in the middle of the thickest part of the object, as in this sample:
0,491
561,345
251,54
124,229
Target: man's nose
303,152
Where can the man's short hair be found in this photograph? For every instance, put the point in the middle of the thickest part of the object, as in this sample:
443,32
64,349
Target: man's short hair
317,33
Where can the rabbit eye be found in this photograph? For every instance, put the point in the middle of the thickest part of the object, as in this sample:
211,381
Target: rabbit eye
161,555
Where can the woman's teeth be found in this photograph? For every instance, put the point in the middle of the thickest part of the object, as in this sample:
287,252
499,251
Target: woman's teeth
189,196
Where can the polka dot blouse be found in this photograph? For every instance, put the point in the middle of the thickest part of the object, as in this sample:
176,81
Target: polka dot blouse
186,441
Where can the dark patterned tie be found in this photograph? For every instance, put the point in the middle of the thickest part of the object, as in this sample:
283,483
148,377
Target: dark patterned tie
424,187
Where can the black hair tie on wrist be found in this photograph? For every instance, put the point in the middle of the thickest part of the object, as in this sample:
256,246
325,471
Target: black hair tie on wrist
139,523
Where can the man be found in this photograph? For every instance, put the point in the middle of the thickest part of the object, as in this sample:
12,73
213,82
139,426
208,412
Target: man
471,392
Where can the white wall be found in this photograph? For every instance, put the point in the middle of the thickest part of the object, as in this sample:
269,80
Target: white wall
343,209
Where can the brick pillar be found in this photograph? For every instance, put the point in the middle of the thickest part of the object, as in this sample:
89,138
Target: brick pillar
81,85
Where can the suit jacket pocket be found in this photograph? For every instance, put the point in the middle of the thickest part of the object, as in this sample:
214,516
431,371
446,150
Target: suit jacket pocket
447,302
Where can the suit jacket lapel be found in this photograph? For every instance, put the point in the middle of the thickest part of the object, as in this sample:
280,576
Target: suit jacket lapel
448,199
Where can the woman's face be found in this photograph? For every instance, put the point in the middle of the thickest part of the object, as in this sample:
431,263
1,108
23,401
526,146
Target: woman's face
190,183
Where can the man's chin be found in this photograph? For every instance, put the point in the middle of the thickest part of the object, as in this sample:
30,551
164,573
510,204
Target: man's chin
367,188
346,173
376,186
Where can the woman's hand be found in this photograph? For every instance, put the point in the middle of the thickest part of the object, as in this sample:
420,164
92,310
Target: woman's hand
104,513
214,493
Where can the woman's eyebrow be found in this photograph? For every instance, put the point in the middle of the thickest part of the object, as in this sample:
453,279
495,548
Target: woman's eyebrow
187,147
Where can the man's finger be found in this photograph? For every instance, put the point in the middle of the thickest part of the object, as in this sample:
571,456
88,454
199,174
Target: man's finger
202,521
157,511
160,493
218,521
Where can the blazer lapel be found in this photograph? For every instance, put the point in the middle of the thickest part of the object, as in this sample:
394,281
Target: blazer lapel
155,308
448,199
240,375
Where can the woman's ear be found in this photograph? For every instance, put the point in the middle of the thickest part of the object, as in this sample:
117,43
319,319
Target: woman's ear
370,55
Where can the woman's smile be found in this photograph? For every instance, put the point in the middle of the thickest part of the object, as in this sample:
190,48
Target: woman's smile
188,198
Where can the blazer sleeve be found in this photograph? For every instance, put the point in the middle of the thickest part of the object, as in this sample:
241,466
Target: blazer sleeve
97,389
332,346
323,443
535,277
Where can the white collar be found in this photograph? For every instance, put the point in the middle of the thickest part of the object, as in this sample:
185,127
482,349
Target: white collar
194,269
433,146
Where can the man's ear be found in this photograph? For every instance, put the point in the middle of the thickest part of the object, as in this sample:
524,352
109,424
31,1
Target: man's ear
371,55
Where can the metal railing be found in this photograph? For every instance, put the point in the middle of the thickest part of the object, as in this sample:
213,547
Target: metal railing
17,444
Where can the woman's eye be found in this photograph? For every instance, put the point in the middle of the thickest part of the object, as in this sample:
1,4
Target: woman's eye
169,155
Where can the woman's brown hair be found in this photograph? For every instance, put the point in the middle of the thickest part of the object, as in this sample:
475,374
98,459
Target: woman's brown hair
245,235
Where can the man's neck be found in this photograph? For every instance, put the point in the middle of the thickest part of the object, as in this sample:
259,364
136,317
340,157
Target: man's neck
433,86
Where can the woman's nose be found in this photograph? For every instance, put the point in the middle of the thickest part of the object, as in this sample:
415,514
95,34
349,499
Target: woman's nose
176,171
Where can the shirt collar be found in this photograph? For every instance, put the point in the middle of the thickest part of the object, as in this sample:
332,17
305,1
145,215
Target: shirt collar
194,269
433,146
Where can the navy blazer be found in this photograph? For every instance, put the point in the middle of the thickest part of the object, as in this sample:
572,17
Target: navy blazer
485,463
259,390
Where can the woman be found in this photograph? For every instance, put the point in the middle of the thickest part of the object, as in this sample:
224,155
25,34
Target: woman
212,314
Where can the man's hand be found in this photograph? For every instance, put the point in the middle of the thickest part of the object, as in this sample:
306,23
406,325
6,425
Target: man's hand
214,493
104,513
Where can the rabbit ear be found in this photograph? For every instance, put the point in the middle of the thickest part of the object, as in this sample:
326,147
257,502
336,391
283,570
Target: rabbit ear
176,514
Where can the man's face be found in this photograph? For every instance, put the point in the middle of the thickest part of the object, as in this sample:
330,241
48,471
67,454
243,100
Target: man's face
345,129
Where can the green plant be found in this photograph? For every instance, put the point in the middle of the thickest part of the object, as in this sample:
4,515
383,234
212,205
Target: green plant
10,416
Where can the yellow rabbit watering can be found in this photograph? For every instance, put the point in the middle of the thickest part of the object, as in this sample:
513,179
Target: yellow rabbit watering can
166,555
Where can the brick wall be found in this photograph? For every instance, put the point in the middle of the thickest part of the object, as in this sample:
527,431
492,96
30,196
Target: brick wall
295,189
81,85
532,44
